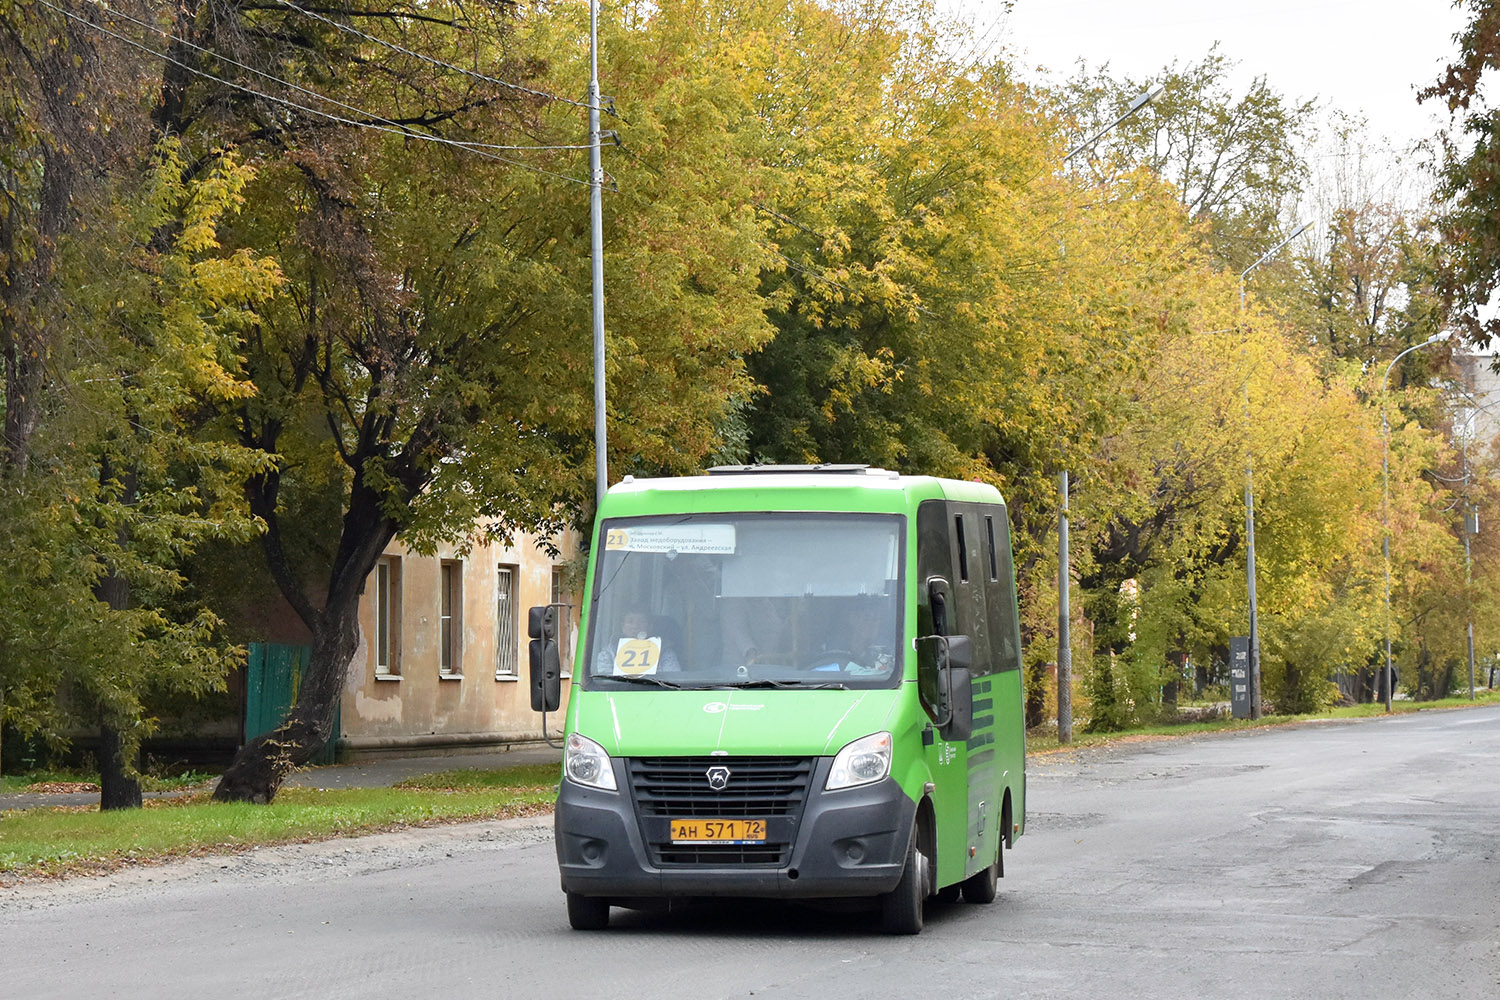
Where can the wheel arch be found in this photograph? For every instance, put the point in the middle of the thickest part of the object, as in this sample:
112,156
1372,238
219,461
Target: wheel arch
926,833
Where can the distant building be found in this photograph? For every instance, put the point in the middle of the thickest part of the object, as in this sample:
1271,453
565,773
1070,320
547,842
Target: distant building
1481,423
442,659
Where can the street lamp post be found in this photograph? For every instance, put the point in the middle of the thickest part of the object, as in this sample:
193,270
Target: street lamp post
1064,574
1385,505
596,228
1255,709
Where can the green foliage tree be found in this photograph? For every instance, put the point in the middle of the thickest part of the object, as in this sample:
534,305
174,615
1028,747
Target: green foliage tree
1467,181
122,481
1234,158
425,369
118,320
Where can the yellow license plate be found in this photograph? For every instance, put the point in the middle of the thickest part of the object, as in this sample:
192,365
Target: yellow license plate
718,831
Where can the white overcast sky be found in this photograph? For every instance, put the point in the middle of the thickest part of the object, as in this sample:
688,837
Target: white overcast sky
1366,57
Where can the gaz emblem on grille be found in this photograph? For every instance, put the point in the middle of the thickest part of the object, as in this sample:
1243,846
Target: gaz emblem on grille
718,778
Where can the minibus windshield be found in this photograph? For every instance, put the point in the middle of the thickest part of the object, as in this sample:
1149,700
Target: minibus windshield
747,600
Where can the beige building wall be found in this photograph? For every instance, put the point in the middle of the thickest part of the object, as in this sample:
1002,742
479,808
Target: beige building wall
1481,387
480,694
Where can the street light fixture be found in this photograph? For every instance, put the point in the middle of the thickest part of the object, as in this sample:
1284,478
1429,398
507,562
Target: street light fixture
1255,711
1385,504
1064,614
1141,100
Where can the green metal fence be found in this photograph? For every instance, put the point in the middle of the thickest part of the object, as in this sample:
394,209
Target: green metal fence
271,683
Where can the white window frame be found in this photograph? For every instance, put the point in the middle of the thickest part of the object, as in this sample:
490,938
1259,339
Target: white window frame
507,625
451,618
387,646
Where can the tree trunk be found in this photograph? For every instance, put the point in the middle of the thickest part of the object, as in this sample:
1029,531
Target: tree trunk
1036,696
116,789
260,767
263,764
1172,689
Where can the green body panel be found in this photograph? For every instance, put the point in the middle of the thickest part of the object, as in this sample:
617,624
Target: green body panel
683,723
965,782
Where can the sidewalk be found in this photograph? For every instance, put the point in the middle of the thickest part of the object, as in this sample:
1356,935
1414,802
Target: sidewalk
376,772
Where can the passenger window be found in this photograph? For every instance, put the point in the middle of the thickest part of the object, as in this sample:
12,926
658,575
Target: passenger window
963,549
989,533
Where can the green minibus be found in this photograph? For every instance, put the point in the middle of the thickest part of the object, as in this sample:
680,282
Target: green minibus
797,682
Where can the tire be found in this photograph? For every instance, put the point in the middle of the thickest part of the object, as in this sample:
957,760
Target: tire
587,913
901,908
982,886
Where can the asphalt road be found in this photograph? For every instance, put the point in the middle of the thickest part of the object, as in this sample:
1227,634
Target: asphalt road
1332,860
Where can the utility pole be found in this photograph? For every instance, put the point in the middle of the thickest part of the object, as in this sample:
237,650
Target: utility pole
1389,675
1064,628
1471,528
596,224
1255,706
1064,641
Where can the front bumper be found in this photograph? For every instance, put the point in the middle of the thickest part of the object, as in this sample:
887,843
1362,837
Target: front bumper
851,842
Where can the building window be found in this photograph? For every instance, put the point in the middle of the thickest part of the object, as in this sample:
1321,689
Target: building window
507,637
560,595
450,619
388,617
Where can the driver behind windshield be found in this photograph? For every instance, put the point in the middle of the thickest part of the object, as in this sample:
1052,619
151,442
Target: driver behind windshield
862,647
635,649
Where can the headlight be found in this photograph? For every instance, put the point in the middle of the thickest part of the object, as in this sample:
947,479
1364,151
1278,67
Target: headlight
586,763
865,760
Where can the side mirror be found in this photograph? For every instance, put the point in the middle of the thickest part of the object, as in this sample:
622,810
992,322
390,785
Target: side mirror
960,724
937,600
545,662
952,707
960,651
541,623
546,675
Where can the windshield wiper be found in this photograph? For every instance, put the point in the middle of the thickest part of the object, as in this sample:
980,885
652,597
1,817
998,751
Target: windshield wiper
766,683
645,679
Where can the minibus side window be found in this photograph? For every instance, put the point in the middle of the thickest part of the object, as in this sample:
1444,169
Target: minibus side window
1005,635
934,558
989,537
972,617
962,549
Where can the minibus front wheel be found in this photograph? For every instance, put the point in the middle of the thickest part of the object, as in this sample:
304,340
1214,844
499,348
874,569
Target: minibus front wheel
587,913
901,908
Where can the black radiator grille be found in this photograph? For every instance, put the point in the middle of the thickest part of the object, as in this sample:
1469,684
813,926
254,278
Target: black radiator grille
720,855
774,789
758,787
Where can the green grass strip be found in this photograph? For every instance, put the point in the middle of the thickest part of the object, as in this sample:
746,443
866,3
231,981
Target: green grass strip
57,841
79,839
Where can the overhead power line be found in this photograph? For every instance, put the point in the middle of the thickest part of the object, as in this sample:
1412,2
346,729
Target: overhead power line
431,60
390,126
112,12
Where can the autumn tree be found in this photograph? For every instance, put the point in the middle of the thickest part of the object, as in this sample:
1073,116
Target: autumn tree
1468,182
120,320
1234,156
424,368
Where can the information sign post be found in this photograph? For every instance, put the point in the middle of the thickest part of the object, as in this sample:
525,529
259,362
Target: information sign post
1239,676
